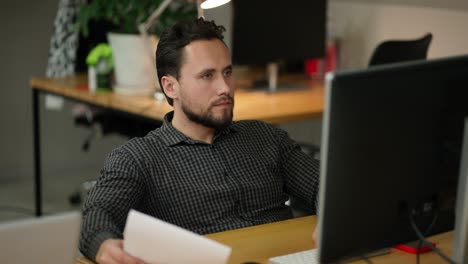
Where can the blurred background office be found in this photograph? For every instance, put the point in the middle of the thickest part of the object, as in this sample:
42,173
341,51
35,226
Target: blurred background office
27,27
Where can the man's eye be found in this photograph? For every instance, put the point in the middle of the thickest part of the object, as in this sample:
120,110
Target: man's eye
228,73
207,76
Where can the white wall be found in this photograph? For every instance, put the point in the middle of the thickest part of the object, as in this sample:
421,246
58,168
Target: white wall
449,4
27,27
361,26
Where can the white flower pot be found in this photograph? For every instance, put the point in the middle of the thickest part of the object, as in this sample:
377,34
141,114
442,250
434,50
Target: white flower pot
135,69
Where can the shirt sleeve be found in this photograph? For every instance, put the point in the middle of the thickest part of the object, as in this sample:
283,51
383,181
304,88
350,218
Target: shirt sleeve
300,171
116,191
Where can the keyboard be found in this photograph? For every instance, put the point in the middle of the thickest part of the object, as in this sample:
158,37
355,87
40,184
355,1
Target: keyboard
302,257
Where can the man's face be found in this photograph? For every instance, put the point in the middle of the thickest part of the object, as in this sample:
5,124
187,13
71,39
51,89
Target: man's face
206,94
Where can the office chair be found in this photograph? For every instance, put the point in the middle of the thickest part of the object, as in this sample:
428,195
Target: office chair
299,207
401,50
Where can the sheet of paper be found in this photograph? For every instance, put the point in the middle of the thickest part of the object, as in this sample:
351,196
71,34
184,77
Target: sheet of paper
158,242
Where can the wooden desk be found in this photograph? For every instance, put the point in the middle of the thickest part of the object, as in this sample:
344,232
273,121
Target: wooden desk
276,108
259,243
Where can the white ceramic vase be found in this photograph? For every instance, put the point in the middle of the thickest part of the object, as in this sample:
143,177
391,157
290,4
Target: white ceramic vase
135,69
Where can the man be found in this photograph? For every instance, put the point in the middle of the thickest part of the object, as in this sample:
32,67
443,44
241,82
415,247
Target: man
199,170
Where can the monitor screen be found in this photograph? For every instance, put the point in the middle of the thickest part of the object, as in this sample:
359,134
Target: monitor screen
391,148
267,31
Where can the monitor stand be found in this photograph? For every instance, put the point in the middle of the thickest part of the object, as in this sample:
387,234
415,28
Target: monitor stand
460,250
271,83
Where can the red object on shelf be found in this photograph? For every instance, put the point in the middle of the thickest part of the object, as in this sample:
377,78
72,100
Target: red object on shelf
83,87
313,68
331,58
317,68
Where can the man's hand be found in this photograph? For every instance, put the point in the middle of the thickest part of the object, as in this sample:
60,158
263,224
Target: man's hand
111,252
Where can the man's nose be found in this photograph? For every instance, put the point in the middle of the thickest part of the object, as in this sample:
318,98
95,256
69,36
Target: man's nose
224,85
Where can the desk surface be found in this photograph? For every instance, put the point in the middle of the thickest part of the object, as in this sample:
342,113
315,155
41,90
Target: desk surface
259,243
277,108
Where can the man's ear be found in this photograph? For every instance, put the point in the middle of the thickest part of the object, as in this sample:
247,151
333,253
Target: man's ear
170,86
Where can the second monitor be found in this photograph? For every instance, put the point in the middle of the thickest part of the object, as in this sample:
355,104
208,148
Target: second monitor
267,32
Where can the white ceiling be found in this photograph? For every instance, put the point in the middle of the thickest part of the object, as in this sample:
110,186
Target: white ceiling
451,4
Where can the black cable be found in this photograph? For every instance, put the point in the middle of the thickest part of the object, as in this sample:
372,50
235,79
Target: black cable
428,231
366,259
418,253
422,238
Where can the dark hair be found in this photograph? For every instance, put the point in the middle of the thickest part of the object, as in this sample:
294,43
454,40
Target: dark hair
169,53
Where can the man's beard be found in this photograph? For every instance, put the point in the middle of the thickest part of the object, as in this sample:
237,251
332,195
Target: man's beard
207,119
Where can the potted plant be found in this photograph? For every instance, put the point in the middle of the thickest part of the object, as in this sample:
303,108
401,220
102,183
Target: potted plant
134,65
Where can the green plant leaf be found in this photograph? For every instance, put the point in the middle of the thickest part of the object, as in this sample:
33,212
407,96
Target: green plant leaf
126,15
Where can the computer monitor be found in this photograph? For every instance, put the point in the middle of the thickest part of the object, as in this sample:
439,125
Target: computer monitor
391,148
267,31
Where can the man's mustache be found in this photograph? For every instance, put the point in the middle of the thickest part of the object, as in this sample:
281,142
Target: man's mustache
225,98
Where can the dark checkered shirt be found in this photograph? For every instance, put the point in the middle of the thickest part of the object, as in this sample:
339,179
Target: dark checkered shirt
242,179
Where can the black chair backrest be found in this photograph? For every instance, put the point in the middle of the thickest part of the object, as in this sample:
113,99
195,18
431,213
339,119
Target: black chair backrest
401,50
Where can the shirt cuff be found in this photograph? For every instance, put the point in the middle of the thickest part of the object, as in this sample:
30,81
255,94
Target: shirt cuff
97,241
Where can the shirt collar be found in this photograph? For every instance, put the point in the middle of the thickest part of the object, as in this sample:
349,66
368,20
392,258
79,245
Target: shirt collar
171,136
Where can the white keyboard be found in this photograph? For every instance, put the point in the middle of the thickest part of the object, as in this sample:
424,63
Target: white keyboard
303,257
